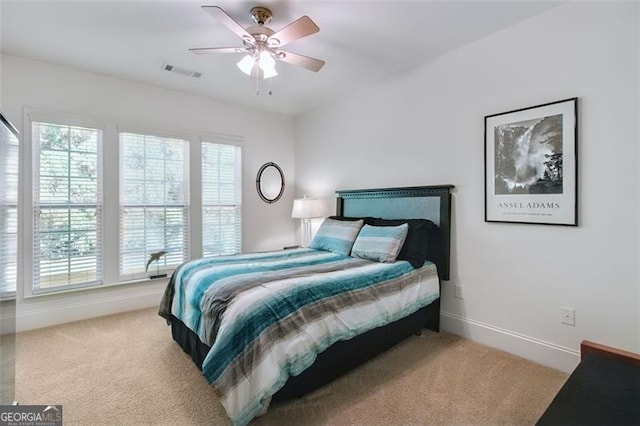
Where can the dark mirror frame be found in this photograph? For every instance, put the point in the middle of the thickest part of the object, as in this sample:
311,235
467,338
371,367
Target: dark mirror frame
259,178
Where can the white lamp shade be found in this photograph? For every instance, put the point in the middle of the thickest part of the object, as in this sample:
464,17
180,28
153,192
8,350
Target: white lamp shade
266,61
267,65
305,208
246,64
269,72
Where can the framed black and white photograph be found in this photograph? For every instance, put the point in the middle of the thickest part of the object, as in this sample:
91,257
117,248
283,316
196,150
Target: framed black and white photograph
531,170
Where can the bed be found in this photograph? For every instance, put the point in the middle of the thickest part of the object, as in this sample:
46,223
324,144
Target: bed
293,320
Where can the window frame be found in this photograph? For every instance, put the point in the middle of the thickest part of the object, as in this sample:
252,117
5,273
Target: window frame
27,175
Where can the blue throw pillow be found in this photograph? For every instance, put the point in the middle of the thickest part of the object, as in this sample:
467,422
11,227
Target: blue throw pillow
380,243
336,236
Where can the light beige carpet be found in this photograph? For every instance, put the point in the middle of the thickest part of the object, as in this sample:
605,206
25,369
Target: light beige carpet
126,370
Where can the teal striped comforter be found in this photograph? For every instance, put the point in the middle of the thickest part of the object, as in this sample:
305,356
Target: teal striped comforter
267,315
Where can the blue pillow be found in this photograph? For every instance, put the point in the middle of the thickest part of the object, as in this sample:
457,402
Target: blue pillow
336,236
380,243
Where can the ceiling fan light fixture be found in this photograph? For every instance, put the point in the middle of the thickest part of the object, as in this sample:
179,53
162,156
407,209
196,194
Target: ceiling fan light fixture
267,64
266,60
264,67
269,72
246,64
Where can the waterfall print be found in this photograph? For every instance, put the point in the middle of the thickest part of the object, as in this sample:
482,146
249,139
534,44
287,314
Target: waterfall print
528,156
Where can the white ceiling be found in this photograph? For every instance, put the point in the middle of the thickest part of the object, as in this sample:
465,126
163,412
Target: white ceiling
362,41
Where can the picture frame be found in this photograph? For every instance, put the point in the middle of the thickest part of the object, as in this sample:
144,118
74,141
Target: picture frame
531,167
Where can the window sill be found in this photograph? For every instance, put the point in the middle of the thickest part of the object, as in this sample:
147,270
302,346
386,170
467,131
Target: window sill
96,288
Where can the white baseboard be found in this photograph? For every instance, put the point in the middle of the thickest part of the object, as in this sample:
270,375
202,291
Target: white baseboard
545,353
29,319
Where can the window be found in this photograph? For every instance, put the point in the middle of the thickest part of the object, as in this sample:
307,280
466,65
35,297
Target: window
67,215
221,195
154,203
8,209
104,199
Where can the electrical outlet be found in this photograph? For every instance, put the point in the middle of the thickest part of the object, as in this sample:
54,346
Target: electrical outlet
457,291
568,316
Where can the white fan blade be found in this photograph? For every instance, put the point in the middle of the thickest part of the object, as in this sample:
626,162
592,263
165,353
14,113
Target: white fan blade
299,28
301,60
208,50
226,20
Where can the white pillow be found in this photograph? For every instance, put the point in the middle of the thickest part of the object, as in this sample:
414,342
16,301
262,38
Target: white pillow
380,243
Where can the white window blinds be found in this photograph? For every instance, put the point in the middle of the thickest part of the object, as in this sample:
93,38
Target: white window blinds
154,203
67,216
221,195
8,210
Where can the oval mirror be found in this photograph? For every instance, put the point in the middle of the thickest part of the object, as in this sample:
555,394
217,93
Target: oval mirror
270,182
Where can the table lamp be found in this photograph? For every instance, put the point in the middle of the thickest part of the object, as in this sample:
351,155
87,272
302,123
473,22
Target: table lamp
305,209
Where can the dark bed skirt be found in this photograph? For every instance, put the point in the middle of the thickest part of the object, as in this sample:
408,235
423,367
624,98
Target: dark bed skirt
338,358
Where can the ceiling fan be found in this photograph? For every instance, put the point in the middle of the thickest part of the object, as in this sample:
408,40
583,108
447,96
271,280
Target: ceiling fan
262,45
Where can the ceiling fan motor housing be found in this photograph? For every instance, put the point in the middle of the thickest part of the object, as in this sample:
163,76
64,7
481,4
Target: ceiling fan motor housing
261,15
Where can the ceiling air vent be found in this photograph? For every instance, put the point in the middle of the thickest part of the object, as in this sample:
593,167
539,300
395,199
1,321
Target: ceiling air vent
183,71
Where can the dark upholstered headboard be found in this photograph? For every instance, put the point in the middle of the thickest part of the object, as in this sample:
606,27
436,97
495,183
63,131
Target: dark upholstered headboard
416,202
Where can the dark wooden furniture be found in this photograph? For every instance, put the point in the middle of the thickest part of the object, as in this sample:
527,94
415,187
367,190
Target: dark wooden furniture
604,389
423,202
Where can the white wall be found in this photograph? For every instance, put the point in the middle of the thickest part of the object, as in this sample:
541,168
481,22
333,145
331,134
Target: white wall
426,127
267,137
